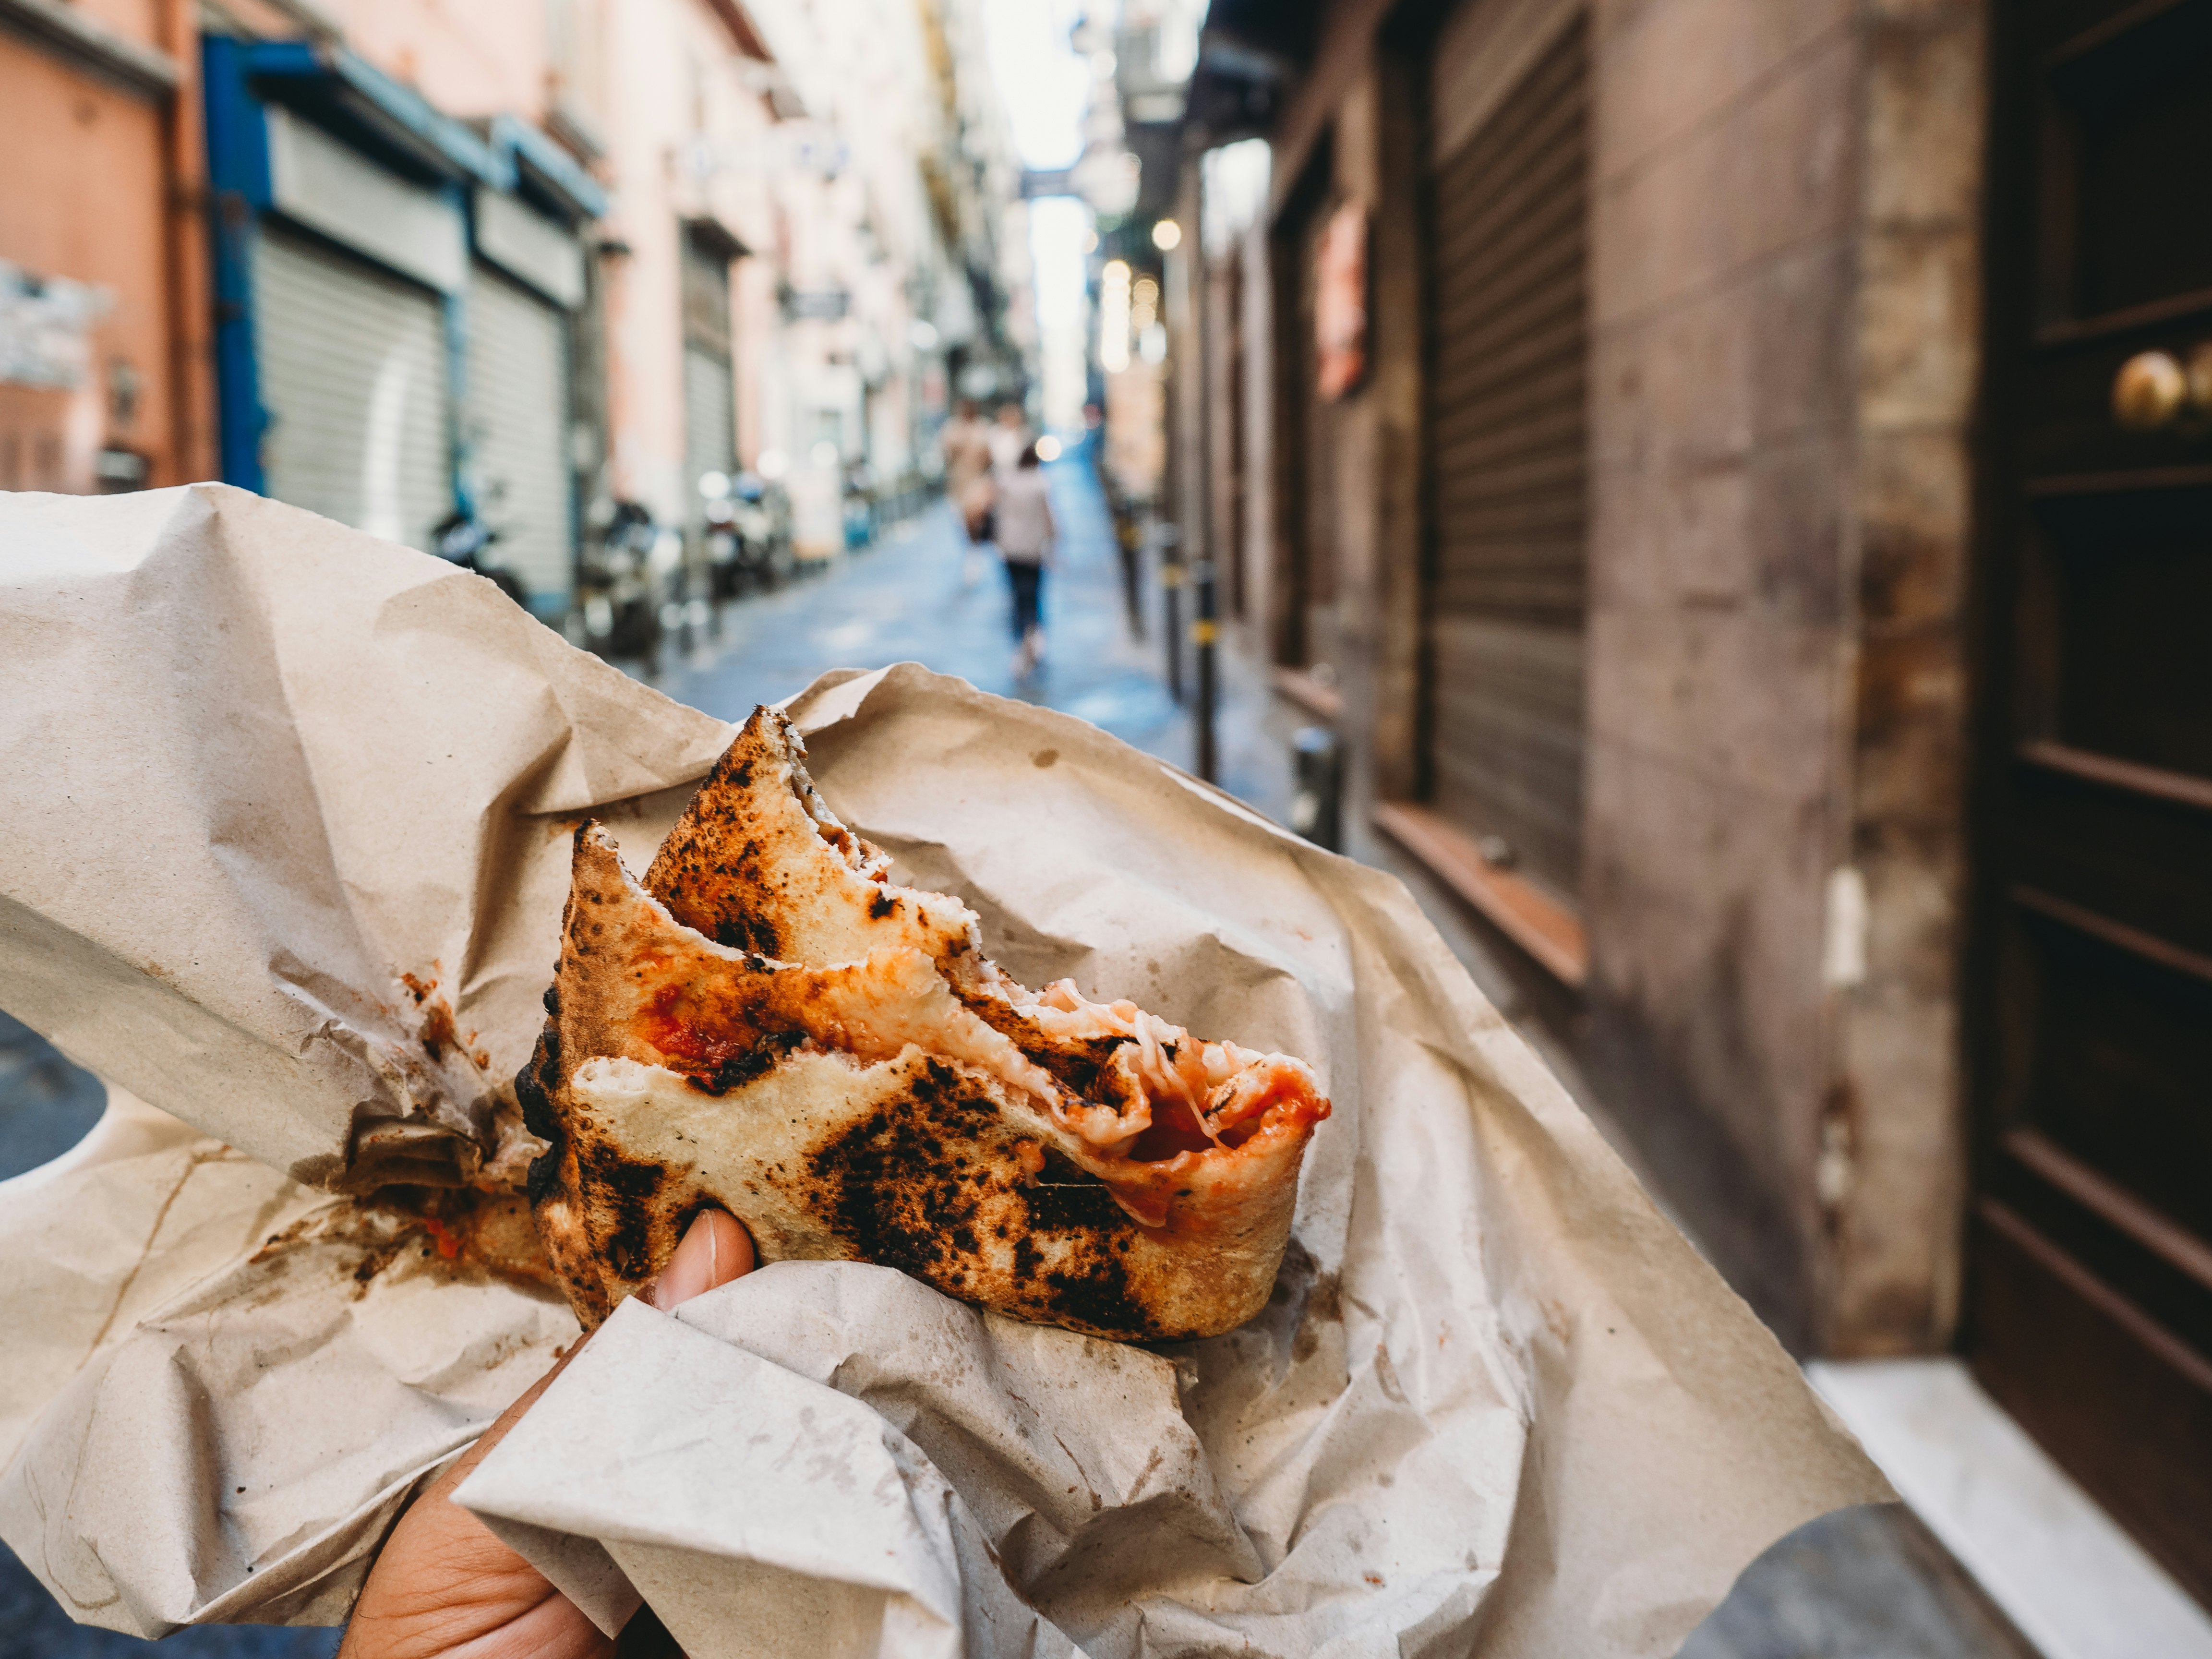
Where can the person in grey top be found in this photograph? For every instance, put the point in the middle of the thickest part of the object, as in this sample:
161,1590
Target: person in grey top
1026,534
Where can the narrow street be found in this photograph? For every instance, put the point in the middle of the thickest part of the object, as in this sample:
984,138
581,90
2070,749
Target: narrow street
908,598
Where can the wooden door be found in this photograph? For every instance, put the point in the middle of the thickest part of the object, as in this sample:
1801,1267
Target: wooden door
2090,1309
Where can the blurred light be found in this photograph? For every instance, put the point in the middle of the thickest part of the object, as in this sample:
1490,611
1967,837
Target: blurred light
1047,448
1144,305
923,335
1167,235
772,464
1091,241
714,485
1152,347
823,454
1103,63
1113,335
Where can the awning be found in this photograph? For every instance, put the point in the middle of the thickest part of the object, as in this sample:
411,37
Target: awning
544,170
347,94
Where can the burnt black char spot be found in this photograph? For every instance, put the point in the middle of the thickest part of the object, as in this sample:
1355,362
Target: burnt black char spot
896,1192
1096,1294
903,1189
1067,1196
1081,1066
748,932
532,1089
624,1188
882,904
754,1062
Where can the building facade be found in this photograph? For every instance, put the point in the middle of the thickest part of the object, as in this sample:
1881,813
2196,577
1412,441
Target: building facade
104,316
1727,472
539,268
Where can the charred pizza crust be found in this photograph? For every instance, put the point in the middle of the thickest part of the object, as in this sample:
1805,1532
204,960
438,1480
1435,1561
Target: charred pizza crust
872,1089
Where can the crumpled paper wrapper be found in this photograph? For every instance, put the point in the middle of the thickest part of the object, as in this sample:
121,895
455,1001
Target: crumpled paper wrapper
287,844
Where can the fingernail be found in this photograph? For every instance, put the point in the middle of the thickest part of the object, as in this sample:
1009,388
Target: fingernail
715,1251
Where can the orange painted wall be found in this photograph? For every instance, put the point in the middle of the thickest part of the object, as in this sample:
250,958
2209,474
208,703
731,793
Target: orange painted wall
467,57
83,197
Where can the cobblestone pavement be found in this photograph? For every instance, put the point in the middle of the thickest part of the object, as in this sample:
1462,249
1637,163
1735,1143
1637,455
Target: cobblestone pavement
1865,1583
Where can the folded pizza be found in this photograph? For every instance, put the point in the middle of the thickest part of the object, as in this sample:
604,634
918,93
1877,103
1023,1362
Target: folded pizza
768,1024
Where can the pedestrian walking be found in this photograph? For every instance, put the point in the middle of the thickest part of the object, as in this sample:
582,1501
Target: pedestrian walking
1026,534
969,465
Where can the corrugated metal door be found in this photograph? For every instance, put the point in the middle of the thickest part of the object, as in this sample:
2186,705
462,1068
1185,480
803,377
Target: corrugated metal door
710,435
352,365
518,398
1508,487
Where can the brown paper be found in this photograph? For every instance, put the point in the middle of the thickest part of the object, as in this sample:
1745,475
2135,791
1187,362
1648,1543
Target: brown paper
1496,1401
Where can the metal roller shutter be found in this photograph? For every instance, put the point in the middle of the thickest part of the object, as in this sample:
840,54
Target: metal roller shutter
710,438
710,421
1508,486
353,374
517,397
1315,636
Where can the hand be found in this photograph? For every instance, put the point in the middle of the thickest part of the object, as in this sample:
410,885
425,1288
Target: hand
444,1588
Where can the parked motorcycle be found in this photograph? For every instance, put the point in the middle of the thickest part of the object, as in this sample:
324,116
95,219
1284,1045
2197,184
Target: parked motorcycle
619,586
760,513
463,539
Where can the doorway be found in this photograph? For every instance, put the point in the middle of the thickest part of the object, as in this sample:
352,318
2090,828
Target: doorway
2089,1312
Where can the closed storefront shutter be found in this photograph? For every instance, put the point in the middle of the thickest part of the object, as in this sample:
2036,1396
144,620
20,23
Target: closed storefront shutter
1303,602
1314,623
518,396
710,436
710,418
1508,487
352,366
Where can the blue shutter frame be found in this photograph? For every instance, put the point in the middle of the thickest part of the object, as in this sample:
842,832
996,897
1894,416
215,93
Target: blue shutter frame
347,96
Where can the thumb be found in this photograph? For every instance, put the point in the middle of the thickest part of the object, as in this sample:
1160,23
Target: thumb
715,1249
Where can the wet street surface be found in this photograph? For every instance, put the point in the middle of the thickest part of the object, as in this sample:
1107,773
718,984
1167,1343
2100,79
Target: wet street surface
917,595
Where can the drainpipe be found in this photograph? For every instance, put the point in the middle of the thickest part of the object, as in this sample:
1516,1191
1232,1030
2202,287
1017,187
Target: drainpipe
1206,627
460,441
184,231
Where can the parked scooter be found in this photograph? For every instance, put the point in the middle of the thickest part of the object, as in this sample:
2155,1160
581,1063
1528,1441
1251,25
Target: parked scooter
619,588
760,513
463,539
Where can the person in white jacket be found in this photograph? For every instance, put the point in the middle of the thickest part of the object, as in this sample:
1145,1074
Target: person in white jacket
1026,534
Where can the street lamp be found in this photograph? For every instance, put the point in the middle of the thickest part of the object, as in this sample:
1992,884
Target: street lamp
1167,235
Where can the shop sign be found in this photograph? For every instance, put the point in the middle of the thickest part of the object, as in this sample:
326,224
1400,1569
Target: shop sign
1340,301
45,327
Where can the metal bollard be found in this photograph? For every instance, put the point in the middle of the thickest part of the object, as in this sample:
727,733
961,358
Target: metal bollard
1317,808
1168,538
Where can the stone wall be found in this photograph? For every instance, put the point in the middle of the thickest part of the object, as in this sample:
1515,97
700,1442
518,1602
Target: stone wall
1784,265
1784,273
